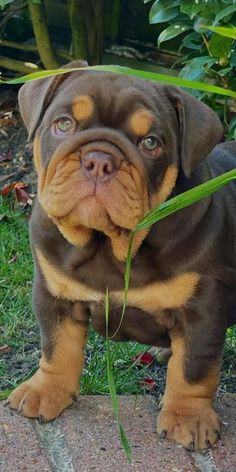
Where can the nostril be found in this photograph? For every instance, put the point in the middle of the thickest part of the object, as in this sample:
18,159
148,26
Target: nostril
89,165
108,168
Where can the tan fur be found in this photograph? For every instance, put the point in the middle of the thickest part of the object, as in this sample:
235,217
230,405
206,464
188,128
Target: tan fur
187,413
140,122
55,383
83,107
76,235
37,154
173,293
65,287
166,186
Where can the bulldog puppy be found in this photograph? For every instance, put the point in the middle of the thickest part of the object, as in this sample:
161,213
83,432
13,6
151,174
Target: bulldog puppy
107,149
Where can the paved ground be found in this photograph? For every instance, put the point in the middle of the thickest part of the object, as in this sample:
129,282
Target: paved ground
84,439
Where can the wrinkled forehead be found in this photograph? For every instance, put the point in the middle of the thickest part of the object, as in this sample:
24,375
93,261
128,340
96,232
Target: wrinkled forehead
108,99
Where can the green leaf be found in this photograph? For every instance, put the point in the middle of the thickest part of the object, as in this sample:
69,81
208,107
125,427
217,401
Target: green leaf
185,199
161,11
195,68
192,41
190,8
141,74
172,31
220,47
228,32
223,72
4,3
225,12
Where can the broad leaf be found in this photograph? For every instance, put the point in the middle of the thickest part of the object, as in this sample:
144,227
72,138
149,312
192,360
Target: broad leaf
190,8
220,47
161,11
172,31
225,12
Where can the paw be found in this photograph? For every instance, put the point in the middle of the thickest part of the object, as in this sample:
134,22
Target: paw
194,429
44,396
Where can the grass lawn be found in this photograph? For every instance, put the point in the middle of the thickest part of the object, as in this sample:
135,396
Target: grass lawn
19,333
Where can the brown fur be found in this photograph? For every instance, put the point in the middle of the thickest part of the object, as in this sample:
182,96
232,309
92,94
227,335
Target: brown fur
55,384
183,274
187,415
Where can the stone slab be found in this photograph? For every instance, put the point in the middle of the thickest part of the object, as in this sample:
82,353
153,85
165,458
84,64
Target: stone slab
20,450
85,439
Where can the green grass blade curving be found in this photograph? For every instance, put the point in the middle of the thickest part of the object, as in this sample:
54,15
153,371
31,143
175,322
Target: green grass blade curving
162,78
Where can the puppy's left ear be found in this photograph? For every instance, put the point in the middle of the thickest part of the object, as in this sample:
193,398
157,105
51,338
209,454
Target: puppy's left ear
199,126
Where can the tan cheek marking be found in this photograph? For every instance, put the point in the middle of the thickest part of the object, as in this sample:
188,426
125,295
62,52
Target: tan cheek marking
141,121
65,287
83,107
166,186
173,293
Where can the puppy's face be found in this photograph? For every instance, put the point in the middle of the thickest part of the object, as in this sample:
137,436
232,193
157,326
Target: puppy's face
108,148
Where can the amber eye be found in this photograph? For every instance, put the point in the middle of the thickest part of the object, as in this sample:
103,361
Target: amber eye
64,126
150,143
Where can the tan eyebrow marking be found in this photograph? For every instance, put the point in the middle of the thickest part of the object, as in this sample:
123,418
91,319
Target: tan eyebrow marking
141,121
83,107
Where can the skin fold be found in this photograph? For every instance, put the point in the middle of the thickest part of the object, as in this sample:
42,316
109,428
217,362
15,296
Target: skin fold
107,149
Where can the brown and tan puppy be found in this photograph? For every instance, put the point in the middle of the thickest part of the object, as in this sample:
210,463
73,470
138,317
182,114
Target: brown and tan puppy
108,148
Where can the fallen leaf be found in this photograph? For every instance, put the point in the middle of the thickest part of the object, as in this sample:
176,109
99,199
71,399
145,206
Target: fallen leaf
144,359
22,196
149,383
5,348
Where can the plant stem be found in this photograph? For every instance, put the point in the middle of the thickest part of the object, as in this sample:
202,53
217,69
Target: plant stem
42,38
18,66
79,39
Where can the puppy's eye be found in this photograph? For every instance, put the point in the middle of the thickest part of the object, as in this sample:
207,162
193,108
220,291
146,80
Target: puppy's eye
150,143
64,126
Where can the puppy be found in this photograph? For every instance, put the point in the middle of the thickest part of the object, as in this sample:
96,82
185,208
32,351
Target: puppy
107,149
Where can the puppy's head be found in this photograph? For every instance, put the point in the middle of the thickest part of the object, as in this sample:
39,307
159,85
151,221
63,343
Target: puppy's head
108,148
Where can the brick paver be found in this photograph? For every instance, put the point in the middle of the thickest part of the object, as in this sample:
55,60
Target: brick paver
84,439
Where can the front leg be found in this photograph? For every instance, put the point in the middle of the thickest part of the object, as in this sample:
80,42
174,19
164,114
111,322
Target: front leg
56,383
187,415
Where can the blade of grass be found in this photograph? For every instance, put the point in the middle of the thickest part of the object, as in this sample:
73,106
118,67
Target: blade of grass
115,405
163,78
167,208
228,32
185,199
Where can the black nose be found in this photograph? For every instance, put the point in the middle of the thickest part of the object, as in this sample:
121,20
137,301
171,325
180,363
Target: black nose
99,166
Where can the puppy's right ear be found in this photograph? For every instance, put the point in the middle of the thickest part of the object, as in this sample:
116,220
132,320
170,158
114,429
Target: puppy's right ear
35,96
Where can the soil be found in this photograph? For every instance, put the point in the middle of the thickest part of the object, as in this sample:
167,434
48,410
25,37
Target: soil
16,165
